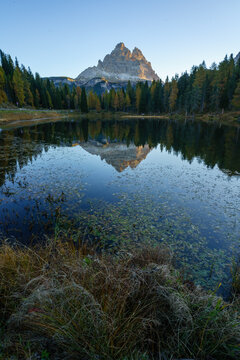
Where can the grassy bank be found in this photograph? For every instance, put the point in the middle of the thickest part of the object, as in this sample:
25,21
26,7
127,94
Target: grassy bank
10,115
59,302
15,115
230,117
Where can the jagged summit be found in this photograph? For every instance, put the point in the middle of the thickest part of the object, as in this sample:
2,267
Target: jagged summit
237,57
121,65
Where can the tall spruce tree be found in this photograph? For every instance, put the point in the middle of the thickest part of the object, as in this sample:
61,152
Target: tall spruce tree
84,105
236,97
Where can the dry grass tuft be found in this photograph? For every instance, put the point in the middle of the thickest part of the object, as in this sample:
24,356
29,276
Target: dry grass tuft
74,304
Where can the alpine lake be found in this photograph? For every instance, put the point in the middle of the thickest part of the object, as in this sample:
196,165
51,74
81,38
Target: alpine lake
132,181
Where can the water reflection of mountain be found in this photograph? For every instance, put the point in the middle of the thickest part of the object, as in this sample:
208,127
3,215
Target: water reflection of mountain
129,142
119,155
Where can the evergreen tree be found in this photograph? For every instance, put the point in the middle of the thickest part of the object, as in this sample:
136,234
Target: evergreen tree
84,106
18,87
49,100
37,99
173,95
128,102
98,104
3,95
236,97
138,96
28,94
167,89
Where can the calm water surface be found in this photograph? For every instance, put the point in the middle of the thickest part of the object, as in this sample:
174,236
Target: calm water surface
129,181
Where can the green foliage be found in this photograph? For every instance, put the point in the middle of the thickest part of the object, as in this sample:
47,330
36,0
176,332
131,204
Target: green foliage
18,87
83,104
236,97
3,96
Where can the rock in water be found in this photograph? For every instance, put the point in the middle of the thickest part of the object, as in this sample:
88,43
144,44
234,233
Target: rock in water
121,65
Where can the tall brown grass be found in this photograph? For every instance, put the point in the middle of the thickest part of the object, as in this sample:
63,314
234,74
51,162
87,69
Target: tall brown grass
59,302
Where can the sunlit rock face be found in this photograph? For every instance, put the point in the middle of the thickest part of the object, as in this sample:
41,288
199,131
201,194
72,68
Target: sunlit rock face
237,57
118,155
121,65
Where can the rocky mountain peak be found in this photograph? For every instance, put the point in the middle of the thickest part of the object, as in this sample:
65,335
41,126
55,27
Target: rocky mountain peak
237,57
120,46
121,65
120,50
137,54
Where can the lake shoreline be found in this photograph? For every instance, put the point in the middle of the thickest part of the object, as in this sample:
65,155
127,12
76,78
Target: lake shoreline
10,115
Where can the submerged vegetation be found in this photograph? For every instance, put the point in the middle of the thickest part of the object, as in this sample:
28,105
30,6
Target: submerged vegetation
62,301
204,90
203,241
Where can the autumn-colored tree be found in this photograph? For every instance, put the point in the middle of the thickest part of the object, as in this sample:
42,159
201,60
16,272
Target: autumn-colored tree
49,100
173,95
121,97
91,100
18,87
128,102
3,96
116,102
98,104
28,94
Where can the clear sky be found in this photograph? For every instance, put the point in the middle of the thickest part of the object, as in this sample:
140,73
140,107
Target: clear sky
63,37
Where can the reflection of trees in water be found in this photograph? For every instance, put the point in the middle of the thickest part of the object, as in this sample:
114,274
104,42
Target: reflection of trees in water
213,144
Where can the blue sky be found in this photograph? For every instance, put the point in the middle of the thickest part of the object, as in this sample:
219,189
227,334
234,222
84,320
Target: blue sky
63,37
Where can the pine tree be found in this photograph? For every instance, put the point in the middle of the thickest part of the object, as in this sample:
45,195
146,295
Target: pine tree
18,87
116,102
84,106
3,96
173,95
49,100
166,95
236,97
138,97
37,98
128,102
98,104
91,100
28,94
121,98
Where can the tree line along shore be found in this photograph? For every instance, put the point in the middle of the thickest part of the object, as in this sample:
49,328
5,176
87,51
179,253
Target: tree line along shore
204,90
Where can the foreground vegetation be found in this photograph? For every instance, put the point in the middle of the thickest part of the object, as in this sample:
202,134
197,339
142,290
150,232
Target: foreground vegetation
59,301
